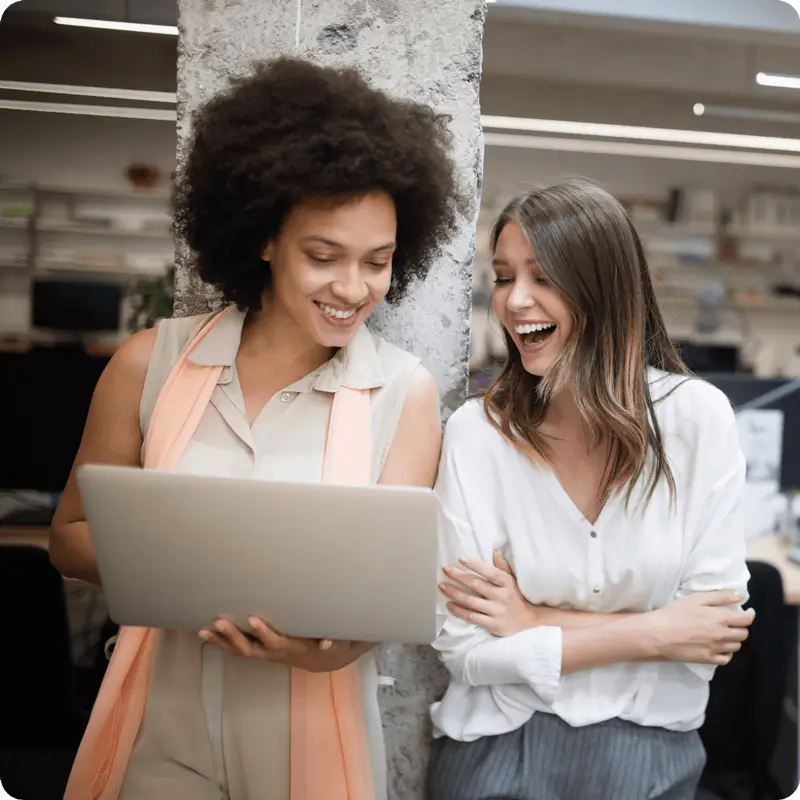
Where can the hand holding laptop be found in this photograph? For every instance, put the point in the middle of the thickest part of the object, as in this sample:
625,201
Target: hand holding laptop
311,655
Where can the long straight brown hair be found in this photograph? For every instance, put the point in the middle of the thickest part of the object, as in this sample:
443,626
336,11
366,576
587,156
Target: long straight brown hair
586,246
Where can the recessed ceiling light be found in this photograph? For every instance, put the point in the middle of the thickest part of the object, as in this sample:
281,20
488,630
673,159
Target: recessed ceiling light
778,81
607,131
758,114
667,152
91,111
110,25
90,91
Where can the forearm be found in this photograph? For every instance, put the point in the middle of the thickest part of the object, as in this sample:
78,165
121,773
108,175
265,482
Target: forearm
621,638
72,553
567,618
539,656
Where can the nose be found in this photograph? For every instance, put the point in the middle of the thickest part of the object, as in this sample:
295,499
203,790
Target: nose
350,287
521,297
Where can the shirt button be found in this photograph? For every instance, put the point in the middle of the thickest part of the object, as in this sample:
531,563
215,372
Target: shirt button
593,534
596,590
287,397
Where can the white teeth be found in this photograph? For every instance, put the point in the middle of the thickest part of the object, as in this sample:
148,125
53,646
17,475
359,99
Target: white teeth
338,313
543,326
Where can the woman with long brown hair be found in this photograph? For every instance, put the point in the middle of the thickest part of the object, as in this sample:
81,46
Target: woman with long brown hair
592,538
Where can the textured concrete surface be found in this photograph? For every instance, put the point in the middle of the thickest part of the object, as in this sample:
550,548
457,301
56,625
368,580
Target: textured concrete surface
429,50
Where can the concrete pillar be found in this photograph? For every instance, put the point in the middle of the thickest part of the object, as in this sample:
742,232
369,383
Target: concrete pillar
428,50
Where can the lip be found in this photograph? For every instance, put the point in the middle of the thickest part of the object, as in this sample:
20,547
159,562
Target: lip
530,349
334,322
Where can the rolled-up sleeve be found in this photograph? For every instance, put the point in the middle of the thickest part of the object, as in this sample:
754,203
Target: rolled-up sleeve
473,656
717,547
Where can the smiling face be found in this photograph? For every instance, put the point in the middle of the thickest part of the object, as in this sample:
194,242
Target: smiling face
535,316
332,264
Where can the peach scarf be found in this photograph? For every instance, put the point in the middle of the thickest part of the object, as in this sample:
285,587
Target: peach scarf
329,752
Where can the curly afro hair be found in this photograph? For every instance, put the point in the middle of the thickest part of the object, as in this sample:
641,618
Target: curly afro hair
292,131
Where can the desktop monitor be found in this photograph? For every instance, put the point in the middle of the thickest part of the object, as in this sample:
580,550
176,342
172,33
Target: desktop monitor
78,306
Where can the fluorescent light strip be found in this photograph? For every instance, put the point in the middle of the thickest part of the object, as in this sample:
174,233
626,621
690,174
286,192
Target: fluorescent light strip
90,111
91,91
778,81
668,152
110,25
646,134
700,109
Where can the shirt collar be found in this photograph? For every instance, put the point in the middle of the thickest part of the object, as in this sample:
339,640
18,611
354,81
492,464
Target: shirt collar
356,366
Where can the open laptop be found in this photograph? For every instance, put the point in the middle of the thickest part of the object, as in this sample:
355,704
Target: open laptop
314,560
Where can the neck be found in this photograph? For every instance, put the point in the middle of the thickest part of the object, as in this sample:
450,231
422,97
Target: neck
272,333
562,412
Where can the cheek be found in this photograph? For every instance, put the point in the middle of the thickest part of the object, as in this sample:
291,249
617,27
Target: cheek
379,283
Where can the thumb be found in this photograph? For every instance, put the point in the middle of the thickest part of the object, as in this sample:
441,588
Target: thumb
720,598
501,563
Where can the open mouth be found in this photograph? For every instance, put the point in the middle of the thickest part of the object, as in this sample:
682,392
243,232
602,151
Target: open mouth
535,333
337,314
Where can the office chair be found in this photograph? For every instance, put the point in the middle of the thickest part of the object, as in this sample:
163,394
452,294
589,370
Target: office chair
744,712
41,722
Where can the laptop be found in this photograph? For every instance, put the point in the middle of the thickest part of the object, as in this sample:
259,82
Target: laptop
314,560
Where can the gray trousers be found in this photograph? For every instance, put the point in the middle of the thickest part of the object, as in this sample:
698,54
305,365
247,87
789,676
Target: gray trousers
546,759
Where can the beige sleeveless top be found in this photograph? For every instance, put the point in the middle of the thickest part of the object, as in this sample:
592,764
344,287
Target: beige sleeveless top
215,725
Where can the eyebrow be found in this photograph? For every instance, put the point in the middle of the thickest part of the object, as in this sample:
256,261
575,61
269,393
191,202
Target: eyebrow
501,262
338,246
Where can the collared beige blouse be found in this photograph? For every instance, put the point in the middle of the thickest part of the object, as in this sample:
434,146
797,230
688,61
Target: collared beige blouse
217,726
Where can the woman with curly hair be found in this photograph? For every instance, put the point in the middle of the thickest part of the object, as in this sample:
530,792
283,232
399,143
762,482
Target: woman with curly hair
307,199
593,536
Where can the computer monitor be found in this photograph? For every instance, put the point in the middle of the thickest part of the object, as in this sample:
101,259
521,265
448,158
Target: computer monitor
78,306
743,389
43,408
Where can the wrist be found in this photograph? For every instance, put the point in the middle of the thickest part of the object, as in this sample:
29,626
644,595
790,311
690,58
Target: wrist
647,646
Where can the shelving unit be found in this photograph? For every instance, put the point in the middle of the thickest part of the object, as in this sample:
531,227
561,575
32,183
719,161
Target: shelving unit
76,234
692,260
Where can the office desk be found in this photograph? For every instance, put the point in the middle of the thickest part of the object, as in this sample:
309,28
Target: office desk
25,534
770,550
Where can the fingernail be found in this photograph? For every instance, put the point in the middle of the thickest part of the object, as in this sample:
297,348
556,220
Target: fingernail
447,570
255,622
221,626
204,635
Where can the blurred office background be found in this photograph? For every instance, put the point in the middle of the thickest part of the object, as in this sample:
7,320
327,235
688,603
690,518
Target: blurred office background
86,256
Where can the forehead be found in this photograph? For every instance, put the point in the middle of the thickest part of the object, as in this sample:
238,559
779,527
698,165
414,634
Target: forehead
345,220
513,246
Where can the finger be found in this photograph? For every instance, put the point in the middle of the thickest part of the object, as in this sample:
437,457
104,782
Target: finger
473,582
722,659
209,637
473,617
241,645
721,598
731,647
741,619
272,641
501,564
736,635
465,599
486,571
267,637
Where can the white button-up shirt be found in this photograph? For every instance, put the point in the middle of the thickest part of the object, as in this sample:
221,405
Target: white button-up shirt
635,558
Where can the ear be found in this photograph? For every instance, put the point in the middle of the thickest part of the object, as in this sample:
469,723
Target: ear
266,253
